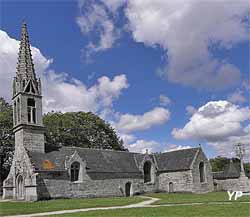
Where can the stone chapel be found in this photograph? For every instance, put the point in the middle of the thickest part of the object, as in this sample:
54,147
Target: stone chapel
80,172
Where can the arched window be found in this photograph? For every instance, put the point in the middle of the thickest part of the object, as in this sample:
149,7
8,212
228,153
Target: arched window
31,110
147,172
202,172
74,171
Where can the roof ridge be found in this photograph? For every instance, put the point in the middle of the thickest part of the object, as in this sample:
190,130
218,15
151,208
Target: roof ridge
178,150
99,149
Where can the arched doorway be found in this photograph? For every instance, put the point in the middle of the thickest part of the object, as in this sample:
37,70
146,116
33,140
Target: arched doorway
171,187
127,189
20,188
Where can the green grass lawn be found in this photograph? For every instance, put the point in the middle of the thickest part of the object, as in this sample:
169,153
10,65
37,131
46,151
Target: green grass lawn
232,210
195,198
11,208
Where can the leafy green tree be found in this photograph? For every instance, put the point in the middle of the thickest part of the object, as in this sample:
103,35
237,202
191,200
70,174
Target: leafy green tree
79,129
219,163
6,138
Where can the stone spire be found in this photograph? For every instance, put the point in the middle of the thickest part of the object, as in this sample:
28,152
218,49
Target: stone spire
25,66
27,101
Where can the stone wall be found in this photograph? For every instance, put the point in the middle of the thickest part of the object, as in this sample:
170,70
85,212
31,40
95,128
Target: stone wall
207,185
62,187
31,138
21,166
182,181
189,180
237,184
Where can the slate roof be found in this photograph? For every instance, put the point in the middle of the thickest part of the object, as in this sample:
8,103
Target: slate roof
231,171
176,160
105,164
97,161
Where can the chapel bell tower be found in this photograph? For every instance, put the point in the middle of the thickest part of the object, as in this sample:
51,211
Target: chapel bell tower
27,100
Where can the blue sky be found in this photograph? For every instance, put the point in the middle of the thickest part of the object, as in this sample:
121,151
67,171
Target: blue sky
157,56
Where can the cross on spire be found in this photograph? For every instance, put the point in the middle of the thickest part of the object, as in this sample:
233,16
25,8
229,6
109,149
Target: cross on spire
25,66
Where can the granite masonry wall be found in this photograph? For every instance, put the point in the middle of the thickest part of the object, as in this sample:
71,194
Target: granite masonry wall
21,167
236,184
207,185
31,138
60,187
182,181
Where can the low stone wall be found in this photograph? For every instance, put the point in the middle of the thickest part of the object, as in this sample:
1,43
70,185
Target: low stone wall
238,184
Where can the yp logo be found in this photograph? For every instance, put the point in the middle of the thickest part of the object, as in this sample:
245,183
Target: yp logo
236,194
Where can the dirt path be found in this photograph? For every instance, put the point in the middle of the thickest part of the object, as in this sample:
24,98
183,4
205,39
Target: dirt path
4,200
147,203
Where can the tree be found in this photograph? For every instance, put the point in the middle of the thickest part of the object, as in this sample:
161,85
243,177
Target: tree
79,129
6,138
219,163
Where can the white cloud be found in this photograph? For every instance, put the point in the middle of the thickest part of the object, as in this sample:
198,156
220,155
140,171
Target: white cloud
127,138
184,29
227,147
215,120
164,100
132,123
61,92
63,95
109,90
173,147
187,32
127,124
96,18
141,146
219,123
